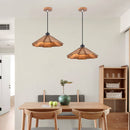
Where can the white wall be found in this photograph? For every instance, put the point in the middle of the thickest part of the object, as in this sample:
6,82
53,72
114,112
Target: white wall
125,21
127,48
43,68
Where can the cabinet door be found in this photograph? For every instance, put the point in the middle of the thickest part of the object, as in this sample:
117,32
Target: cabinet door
118,121
4,84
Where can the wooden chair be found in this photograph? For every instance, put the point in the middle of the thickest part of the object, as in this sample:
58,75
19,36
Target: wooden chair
90,116
64,115
52,114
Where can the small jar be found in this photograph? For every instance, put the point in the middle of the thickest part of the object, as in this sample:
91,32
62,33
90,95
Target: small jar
107,75
113,75
118,75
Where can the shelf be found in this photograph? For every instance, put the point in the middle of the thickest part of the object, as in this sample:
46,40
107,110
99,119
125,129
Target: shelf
114,78
114,98
115,75
114,88
114,68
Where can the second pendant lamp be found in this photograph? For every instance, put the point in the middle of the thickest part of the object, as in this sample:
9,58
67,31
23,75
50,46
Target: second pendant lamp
82,52
47,40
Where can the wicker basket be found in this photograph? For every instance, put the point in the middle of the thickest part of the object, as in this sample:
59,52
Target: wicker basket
112,85
113,94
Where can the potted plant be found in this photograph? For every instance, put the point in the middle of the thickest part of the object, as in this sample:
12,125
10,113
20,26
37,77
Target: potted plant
64,99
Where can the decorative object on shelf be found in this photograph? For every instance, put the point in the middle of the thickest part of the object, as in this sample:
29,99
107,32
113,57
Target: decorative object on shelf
107,75
113,94
118,75
113,75
113,85
64,99
82,52
47,40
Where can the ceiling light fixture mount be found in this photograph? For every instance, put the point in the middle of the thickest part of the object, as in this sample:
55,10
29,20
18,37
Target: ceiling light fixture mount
82,52
47,40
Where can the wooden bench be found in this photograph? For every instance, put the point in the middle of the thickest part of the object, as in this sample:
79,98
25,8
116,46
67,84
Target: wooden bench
64,115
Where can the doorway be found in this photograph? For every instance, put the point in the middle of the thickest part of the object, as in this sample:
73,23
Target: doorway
7,92
7,82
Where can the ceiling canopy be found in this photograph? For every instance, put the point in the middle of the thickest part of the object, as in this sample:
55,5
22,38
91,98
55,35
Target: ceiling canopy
63,8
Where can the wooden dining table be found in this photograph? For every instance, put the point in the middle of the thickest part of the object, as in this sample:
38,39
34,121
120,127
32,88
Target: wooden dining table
40,106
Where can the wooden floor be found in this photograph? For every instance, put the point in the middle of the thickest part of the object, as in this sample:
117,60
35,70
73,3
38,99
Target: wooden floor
7,120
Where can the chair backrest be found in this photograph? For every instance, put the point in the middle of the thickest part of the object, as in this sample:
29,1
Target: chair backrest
88,115
91,116
52,114
47,98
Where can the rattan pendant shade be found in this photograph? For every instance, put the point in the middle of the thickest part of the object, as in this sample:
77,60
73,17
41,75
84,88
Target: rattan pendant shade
47,40
82,52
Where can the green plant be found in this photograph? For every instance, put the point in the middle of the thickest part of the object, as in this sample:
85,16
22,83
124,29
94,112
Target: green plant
63,82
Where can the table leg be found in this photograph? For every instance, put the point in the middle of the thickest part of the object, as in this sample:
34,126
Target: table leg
23,120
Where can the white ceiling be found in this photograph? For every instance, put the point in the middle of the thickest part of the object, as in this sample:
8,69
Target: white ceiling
66,8
61,8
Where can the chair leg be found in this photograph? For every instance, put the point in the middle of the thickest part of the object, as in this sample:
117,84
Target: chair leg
23,120
95,123
105,122
29,122
80,123
37,121
55,120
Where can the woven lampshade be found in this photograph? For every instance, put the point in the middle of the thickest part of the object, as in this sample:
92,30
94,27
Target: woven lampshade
47,41
82,53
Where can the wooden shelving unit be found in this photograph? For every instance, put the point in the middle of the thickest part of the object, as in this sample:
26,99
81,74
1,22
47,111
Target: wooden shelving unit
114,75
119,106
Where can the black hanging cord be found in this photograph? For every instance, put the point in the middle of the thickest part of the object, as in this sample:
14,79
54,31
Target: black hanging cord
82,27
47,20
82,30
47,24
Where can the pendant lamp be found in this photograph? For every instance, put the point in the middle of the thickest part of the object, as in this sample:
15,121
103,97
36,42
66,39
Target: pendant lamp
82,52
47,40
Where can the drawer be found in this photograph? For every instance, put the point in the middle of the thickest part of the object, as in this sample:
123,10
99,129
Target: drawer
117,121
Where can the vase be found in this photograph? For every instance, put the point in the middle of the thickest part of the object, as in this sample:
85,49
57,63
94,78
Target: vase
64,99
